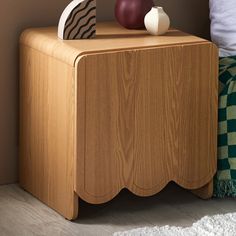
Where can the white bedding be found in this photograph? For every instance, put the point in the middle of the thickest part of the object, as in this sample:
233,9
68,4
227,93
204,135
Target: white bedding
223,26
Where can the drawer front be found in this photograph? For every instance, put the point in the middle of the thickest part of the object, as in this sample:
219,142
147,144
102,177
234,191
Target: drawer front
144,118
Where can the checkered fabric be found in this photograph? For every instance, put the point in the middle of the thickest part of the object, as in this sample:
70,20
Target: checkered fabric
225,180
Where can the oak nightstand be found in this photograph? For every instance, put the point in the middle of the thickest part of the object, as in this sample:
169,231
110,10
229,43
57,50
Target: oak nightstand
124,110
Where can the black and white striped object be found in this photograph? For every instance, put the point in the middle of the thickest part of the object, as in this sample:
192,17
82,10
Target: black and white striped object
78,20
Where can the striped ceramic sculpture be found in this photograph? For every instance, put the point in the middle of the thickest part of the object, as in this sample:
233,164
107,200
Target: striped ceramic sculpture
78,21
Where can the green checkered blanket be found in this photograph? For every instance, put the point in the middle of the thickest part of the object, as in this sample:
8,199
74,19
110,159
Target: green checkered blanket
225,180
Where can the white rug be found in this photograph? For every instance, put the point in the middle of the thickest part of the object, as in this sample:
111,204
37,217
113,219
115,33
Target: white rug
218,225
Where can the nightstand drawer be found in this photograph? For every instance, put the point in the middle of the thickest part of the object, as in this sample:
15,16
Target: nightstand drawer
147,117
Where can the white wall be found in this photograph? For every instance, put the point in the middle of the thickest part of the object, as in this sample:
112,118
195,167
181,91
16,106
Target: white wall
16,15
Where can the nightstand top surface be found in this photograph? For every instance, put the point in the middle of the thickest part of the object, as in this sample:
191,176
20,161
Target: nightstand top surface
110,37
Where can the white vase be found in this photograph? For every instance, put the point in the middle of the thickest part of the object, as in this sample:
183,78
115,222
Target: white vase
157,22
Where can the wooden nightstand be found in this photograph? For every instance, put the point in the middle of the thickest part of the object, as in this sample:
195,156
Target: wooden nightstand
124,110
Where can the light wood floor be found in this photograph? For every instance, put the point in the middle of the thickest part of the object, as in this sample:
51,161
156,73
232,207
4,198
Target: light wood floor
23,215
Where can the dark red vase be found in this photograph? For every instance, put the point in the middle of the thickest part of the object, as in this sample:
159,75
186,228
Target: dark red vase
131,13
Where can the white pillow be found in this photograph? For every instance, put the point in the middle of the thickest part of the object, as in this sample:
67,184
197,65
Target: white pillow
223,26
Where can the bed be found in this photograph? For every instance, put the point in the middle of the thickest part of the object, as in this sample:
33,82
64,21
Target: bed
223,33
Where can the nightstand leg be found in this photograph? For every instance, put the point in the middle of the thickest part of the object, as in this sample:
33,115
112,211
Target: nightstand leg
204,192
74,209
47,153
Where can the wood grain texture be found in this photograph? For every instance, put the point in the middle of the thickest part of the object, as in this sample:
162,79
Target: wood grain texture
105,161
149,117
176,117
109,37
47,131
